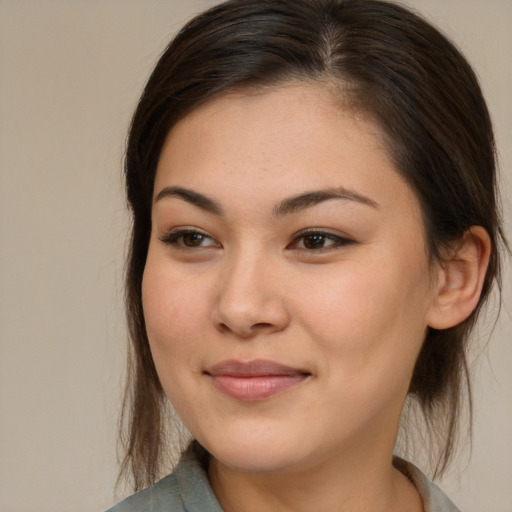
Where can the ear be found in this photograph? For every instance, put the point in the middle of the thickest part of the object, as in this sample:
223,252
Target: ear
460,280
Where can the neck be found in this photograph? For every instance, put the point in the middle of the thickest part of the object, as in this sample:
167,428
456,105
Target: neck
336,484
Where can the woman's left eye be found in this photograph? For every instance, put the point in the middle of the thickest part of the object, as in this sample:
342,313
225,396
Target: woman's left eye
318,241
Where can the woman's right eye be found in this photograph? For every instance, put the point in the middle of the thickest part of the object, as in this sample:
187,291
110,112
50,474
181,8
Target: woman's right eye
189,239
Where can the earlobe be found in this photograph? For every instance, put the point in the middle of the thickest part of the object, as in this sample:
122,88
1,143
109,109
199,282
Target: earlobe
460,280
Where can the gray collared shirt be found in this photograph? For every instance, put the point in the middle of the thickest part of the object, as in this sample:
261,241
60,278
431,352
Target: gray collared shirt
187,490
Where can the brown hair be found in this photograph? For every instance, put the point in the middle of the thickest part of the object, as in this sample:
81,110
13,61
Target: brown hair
399,70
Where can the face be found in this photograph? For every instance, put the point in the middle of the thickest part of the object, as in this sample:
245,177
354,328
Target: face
287,288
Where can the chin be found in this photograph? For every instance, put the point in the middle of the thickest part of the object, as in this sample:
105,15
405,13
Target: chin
256,454
254,459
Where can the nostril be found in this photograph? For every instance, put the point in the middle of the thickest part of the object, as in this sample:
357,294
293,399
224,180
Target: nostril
261,325
254,329
250,315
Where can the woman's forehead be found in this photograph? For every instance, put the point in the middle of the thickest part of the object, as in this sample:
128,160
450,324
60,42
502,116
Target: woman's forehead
287,142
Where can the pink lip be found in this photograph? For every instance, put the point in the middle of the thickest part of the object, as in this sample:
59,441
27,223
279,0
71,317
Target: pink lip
254,380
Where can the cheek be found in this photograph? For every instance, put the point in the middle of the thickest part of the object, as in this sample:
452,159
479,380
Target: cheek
174,312
370,315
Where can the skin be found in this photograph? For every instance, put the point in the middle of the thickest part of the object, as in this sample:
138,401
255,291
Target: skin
350,309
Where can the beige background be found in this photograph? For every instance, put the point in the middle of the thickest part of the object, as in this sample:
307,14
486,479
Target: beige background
70,74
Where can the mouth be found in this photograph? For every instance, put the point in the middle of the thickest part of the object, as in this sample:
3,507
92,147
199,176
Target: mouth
255,380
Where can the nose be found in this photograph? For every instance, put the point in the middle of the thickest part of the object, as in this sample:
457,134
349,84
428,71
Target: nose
251,299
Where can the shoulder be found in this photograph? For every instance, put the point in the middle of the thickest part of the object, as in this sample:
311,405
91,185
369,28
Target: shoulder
434,499
185,490
163,496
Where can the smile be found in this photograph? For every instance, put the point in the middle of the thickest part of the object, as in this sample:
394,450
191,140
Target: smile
254,380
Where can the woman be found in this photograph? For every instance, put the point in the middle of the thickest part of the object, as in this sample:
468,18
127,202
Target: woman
315,231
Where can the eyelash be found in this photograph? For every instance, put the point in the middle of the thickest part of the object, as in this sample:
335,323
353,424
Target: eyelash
176,239
338,240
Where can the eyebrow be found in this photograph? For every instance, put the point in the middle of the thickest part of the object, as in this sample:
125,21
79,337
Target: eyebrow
308,199
192,197
285,207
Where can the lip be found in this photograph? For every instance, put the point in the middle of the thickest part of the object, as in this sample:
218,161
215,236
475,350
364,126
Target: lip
254,380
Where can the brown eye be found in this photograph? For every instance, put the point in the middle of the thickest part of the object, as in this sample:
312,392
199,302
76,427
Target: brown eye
314,241
193,239
189,239
319,241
